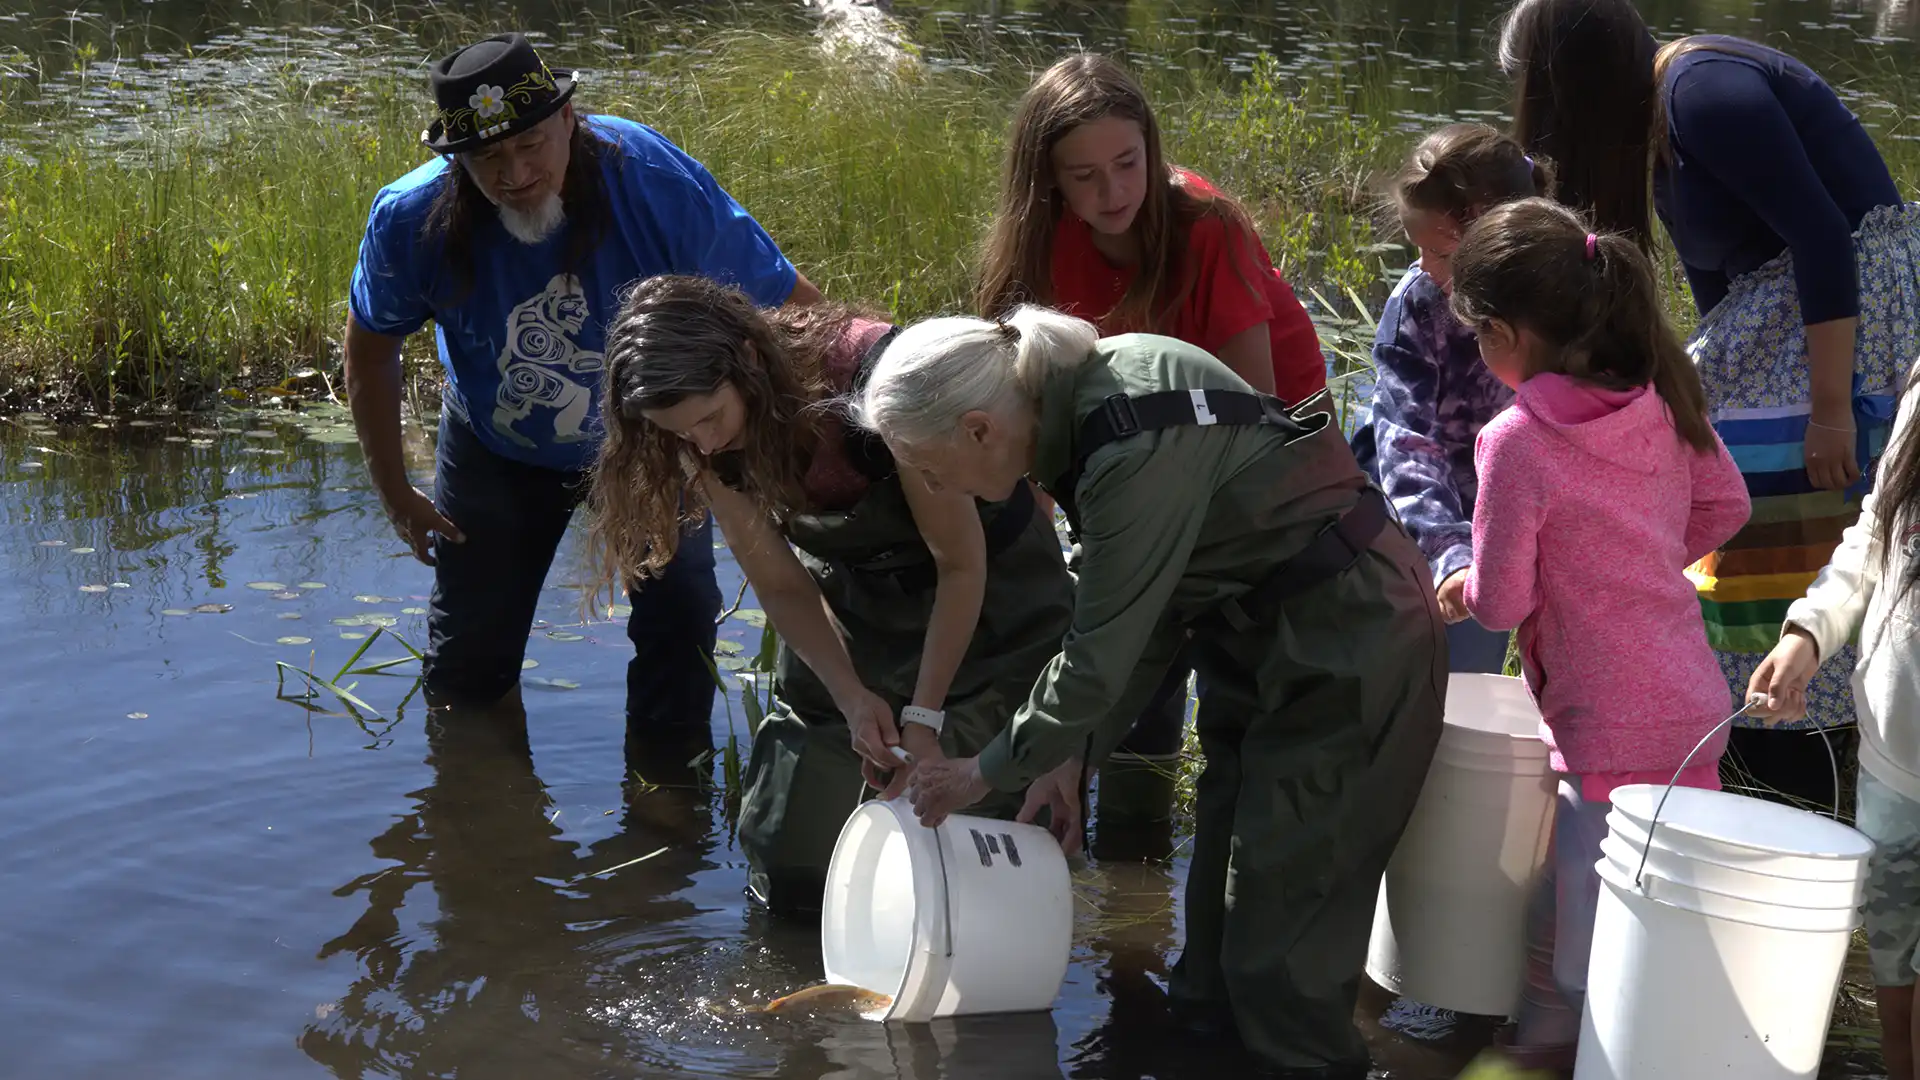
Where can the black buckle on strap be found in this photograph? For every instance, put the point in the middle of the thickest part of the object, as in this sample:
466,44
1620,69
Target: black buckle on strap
1120,415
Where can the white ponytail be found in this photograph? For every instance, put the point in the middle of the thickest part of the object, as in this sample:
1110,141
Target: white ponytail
939,370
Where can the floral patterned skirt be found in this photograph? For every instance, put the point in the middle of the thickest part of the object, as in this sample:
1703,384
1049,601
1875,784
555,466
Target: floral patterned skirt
1751,352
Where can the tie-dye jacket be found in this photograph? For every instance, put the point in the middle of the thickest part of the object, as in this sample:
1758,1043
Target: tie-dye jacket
1431,397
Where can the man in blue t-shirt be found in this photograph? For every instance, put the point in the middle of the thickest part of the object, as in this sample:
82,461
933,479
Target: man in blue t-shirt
516,241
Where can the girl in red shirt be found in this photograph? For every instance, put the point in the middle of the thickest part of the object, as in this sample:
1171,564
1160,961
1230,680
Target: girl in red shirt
1093,221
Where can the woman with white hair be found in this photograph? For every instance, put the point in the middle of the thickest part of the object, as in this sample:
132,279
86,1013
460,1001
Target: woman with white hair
1205,508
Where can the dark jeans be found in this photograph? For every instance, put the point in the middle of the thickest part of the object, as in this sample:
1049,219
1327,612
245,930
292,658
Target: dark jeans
485,590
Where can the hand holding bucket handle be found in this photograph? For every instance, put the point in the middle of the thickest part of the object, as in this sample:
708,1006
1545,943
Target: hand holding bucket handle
1753,700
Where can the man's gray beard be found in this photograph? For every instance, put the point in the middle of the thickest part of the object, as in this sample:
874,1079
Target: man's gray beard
534,226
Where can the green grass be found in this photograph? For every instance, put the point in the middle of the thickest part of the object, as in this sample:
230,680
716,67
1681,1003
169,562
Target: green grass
207,261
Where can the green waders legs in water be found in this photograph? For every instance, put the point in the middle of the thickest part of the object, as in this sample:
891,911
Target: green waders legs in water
1215,521
892,599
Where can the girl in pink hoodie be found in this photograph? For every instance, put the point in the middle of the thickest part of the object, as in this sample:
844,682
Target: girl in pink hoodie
1598,487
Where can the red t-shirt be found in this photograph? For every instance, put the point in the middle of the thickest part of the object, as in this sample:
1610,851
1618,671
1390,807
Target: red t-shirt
1220,305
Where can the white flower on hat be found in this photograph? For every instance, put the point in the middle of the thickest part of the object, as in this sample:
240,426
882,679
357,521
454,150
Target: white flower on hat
488,100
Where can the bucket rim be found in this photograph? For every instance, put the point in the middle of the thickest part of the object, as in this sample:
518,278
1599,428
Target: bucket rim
1616,877
1634,835
1862,847
1625,857
923,967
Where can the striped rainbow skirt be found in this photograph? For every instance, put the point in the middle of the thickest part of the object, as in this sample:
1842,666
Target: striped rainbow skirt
1751,353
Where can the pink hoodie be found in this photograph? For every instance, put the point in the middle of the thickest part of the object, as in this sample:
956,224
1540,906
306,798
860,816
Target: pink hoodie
1591,508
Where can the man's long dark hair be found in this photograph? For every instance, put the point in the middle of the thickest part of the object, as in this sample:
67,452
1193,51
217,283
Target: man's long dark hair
461,206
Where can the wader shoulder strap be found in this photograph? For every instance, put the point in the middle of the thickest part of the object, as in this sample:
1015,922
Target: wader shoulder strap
865,450
1122,415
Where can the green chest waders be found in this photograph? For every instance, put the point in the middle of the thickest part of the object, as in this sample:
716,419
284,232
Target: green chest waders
879,581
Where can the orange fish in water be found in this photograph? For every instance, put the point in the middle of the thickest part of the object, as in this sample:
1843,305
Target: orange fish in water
825,998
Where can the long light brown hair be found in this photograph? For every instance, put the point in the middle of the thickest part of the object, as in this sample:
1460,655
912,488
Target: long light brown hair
1017,258
1527,263
678,337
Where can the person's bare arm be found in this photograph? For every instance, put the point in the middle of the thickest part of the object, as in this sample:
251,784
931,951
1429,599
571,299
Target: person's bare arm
1250,354
372,363
804,292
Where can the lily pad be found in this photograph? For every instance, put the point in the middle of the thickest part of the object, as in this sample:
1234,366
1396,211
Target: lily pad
348,635
53,543
267,586
199,442
212,609
122,585
529,664
562,635
731,663
371,598
262,450
175,438
33,464
369,619
334,435
136,716
288,615
312,585
93,588
175,611
267,433
293,639
288,595
751,616
413,611
81,550
552,684
730,648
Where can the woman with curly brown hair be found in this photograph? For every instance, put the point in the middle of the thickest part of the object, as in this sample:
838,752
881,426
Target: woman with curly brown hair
891,596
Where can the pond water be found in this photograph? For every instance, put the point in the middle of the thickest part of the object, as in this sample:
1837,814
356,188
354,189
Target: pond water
207,876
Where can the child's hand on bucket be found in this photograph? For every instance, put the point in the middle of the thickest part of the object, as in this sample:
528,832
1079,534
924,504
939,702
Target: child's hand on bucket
1778,689
944,785
1058,793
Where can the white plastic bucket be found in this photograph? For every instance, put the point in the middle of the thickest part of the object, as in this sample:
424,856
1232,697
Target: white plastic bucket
973,917
1723,960
1449,929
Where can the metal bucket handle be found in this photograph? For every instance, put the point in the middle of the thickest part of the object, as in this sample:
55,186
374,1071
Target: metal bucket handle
1752,700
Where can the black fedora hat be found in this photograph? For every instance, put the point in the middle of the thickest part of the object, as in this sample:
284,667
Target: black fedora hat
491,90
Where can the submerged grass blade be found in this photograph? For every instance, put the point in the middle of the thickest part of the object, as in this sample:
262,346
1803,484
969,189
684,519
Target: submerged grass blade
622,866
347,668
342,693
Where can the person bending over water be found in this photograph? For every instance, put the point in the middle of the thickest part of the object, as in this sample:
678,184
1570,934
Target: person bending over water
1203,509
901,600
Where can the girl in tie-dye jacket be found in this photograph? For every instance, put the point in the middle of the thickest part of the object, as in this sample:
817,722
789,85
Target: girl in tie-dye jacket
1432,395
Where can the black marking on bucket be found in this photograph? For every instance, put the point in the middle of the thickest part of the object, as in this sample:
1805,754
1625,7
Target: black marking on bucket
980,844
1013,853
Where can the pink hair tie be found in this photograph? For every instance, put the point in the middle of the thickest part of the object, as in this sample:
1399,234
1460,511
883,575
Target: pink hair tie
1593,247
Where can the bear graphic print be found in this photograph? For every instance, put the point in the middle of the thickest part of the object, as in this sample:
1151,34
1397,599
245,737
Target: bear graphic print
542,365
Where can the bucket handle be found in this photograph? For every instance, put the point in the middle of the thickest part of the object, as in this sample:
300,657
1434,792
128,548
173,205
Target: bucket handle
1752,700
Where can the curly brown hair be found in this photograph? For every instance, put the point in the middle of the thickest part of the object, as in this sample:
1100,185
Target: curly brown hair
677,337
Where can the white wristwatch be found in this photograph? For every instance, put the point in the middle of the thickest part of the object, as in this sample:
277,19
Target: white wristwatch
914,714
